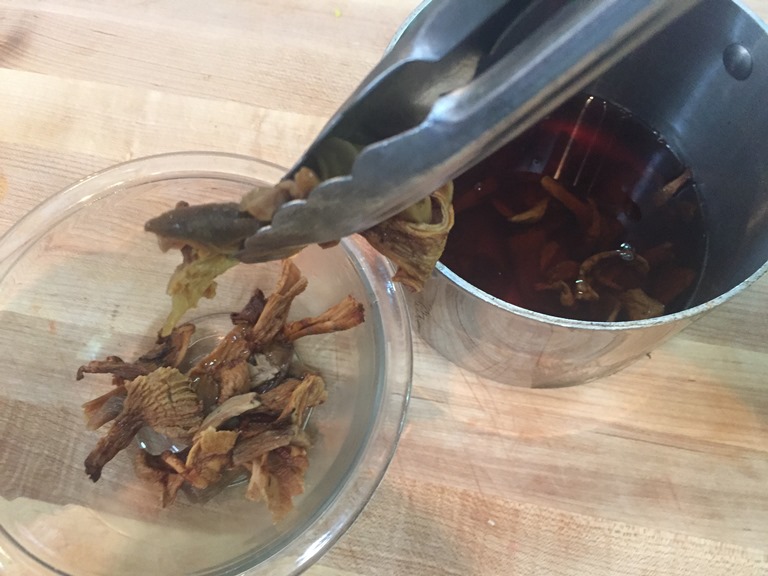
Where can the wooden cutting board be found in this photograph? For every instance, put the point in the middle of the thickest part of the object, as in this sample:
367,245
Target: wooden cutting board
660,469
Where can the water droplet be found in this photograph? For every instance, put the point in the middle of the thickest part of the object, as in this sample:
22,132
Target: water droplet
627,252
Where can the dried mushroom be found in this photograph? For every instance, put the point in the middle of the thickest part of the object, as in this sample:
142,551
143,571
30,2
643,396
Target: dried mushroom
243,407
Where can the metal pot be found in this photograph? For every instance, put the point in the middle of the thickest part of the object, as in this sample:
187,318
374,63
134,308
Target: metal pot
701,84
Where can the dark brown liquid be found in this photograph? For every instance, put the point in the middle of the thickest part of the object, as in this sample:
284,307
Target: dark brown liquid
609,161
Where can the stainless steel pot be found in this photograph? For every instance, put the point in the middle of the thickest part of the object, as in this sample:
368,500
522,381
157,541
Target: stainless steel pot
702,84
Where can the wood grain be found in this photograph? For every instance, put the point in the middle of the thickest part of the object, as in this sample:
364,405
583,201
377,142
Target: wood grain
660,469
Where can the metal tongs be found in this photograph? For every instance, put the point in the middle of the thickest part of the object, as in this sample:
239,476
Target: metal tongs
464,78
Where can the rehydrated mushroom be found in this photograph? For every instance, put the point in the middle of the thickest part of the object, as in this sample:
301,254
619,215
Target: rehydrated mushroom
530,216
244,340
583,211
277,477
194,279
163,400
236,409
121,369
346,314
168,350
263,201
251,311
567,297
205,375
570,245
306,180
271,365
290,284
105,408
231,408
154,470
265,439
670,189
210,454
639,305
296,397
233,380
415,246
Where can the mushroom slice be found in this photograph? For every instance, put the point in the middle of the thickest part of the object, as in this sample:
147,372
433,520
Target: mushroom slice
275,400
345,315
669,190
194,279
270,366
567,298
213,227
155,470
232,349
251,311
259,443
263,201
105,408
163,400
167,351
272,319
210,454
277,477
639,306
244,340
308,393
116,366
415,247
232,408
532,215
306,180
588,272
581,210
234,379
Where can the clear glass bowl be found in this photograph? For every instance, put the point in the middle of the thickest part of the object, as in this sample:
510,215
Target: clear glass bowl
79,280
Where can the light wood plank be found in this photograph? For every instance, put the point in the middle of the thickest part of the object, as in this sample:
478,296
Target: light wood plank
660,469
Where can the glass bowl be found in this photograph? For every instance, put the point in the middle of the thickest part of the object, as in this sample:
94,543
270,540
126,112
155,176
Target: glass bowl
80,280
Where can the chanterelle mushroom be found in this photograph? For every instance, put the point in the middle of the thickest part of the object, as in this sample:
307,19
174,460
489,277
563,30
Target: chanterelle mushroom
162,400
243,406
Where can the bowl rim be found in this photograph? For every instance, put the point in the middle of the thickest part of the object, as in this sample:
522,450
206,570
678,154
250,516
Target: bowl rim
393,326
